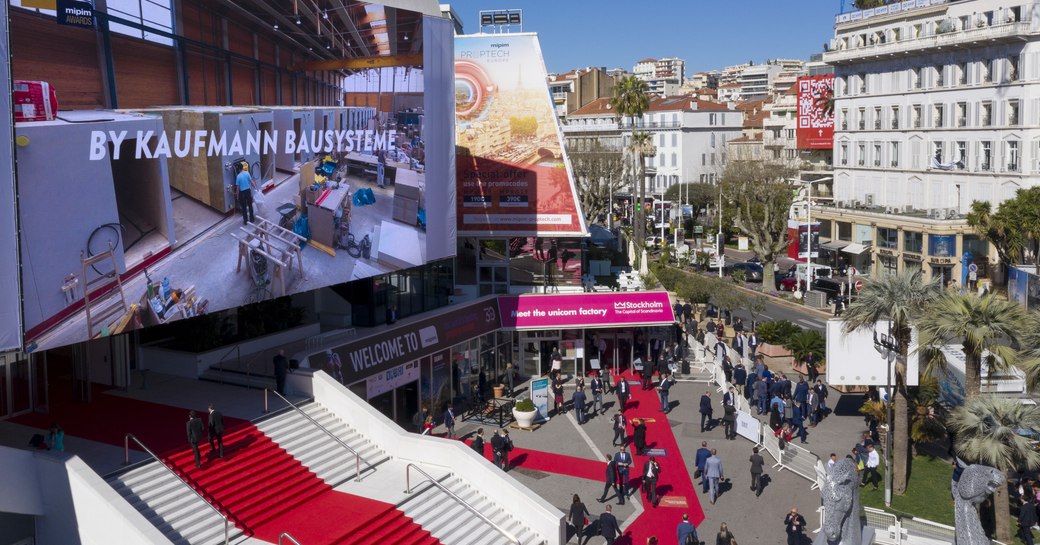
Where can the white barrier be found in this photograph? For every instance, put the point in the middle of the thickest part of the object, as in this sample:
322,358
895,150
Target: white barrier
772,445
800,461
749,427
821,475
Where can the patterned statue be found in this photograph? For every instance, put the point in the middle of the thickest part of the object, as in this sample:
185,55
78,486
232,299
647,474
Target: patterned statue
841,524
976,484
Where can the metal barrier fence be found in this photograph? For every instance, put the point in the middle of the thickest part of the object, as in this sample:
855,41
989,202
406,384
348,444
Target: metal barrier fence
885,525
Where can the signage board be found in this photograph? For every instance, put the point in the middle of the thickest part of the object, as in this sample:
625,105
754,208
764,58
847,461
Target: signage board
858,358
512,170
554,311
540,398
804,244
749,427
815,112
381,383
157,187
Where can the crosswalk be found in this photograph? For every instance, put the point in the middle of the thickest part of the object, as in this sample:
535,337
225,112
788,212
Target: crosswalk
812,324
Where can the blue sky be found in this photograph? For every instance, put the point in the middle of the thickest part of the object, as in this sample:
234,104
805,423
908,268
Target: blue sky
709,34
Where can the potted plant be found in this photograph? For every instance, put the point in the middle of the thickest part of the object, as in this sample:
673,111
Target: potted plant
524,413
773,336
803,342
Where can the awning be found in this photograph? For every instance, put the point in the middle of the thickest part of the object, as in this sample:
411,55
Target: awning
834,245
855,248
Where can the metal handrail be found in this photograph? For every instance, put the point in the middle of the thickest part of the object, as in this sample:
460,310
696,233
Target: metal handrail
220,362
291,538
357,457
408,483
126,460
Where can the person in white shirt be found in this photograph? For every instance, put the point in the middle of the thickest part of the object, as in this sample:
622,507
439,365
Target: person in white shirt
870,472
832,461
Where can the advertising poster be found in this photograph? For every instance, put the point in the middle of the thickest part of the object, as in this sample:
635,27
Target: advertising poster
513,175
816,112
859,358
804,244
552,311
540,398
150,191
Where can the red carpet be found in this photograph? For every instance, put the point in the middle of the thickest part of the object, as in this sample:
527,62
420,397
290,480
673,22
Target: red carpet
268,492
675,479
582,468
108,418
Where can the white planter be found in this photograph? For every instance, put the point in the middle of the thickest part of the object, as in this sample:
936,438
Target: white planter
524,419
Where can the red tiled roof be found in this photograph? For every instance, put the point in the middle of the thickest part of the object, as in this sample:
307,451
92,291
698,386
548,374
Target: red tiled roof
686,104
746,139
648,59
600,106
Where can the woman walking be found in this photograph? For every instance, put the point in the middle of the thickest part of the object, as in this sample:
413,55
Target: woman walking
724,537
579,517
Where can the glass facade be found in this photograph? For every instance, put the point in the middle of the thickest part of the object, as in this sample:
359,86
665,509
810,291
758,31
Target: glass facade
942,245
887,238
912,242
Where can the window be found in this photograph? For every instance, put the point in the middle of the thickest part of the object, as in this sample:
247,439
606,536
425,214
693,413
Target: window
1012,68
987,110
673,160
877,118
844,230
893,154
844,120
912,242
985,71
711,119
940,76
985,155
937,151
962,73
962,153
915,117
704,159
877,154
844,153
962,114
862,84
675,140
1012,113
1013,157
937,116
862,121
713,141
895,117
861,158
887,238
915,78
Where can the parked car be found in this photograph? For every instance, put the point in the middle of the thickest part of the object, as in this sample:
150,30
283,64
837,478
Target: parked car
753,272
791,283
831,286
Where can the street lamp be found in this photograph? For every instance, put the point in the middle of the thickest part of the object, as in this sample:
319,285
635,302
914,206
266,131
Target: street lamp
888,347
808,230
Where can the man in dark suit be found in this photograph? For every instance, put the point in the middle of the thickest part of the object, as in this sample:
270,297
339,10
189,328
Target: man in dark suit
216,431
623,460
608,526
194,428
702,456
752,344
281,369
449,422
651,472
610,481
623,392
578,400
706,411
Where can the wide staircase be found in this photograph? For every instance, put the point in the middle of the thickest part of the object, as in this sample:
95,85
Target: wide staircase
293,472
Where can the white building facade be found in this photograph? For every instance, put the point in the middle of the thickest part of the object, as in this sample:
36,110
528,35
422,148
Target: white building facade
936,106
690,136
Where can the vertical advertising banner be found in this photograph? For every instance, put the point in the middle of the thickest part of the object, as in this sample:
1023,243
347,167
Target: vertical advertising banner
805,246
540,398
513,175
816,112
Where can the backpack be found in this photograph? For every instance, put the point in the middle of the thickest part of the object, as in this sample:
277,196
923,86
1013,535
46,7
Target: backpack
691,539
783,442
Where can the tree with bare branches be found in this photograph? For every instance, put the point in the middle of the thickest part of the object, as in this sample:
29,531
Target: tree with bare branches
758,200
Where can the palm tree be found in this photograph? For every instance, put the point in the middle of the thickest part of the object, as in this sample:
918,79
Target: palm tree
986,431
631,100
981,324
897,299
642,146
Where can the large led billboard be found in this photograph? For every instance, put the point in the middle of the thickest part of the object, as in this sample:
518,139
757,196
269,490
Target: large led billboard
513,175
174,181
816,112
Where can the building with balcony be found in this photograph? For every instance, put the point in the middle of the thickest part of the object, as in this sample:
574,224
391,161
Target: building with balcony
577,88
935,107
690,136
664,77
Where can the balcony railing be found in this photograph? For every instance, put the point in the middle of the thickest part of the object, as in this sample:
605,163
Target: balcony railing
591,127
651,125
1005,31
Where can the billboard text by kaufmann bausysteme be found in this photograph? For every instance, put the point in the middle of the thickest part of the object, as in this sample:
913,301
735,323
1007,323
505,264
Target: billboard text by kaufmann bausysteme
513,175
177,174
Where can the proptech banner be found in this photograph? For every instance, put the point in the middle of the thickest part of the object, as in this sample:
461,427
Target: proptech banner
815,114
513,175
585,310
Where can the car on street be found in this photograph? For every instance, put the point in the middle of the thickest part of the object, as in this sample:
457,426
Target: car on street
753,272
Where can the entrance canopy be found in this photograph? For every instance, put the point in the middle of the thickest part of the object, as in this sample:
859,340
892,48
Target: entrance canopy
835,245
855,248
585,310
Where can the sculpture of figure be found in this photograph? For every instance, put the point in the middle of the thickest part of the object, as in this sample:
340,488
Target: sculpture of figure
976,484
841,524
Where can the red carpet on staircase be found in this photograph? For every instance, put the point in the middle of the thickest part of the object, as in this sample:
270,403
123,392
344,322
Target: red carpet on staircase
267,492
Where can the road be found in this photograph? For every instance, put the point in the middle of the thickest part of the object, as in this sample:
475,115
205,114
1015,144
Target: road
778,311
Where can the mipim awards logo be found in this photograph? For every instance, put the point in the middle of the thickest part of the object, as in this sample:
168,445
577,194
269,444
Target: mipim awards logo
637,307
